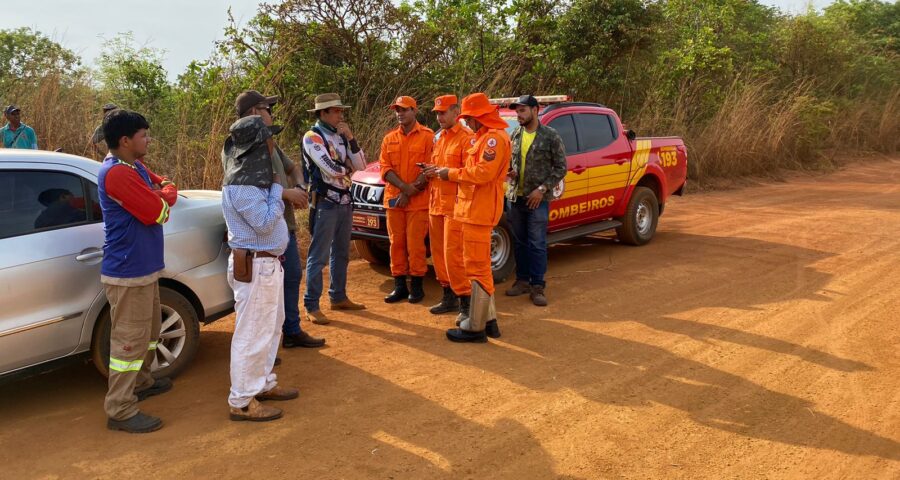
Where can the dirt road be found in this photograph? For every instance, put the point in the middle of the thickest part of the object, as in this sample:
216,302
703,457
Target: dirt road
756,337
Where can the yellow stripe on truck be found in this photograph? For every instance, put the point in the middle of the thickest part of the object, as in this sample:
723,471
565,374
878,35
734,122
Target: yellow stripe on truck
609,177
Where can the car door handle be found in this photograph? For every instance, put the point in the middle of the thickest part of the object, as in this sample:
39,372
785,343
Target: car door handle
621,161
84,257
578,170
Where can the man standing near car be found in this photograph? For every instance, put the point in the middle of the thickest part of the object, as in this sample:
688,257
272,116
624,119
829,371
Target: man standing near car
479,207
403,151
16,134
135,204
331,154
444,234
293,194
538,165
258,236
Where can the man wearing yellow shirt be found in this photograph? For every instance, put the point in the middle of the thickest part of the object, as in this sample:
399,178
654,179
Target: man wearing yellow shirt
538,164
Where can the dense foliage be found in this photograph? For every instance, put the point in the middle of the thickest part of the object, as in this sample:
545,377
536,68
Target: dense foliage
751,89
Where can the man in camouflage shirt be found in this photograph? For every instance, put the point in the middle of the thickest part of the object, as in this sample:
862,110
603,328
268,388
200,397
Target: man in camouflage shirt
538,165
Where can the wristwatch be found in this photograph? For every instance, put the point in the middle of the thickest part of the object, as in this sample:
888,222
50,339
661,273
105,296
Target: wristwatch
542,189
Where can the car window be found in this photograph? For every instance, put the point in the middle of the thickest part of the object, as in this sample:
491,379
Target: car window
512,123
33,201
594,131
566,129
93,204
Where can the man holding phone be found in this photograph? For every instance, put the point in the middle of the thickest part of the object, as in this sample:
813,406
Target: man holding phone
404,152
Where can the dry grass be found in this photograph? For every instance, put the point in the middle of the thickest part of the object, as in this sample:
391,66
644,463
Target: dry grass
758,129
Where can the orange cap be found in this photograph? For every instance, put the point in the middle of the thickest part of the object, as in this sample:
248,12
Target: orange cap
444,102
405,102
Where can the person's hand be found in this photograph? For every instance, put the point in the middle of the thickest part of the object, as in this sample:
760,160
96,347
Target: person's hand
535,198
409,189
402,200
430,170
343,128
299,198
421,182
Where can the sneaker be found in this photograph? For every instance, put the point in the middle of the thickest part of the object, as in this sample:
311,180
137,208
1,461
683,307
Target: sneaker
347,304
521,287
140,423
279,393
318,317
255,412
160,385
302,339
537,296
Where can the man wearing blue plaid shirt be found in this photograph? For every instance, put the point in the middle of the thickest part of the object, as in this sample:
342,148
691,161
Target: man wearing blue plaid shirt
258,237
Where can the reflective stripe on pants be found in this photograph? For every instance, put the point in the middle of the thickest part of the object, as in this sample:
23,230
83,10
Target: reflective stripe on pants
135,316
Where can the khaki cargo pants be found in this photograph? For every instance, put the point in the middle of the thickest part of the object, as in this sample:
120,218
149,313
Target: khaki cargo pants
136,316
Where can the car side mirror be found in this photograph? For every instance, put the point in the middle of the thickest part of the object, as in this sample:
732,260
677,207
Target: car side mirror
630,135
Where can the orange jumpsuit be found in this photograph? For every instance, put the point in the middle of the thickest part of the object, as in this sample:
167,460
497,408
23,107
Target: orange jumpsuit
479,205
407,226
446,249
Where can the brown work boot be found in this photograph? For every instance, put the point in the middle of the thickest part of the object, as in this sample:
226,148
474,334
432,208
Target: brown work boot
318,317
255,412
521,287
537,296
347,304
279,393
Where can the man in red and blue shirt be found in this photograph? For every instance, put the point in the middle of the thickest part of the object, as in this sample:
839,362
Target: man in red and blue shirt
135,203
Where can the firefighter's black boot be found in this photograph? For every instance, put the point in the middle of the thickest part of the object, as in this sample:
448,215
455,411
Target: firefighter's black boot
400,291
449,303
416,291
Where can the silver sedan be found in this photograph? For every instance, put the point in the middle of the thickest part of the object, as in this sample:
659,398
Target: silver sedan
52,304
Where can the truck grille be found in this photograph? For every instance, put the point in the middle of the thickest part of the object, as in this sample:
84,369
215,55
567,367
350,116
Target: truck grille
367,196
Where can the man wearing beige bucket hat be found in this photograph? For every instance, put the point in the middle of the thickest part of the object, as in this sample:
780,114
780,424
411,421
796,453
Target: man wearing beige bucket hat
330,156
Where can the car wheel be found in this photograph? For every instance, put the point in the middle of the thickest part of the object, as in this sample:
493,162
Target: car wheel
372,252
179,336
503,262
641,217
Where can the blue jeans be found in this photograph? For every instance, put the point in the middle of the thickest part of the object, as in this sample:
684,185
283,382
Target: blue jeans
331,238
529,229
293,273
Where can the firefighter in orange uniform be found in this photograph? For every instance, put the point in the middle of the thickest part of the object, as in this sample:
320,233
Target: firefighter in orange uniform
479,206
403,150
444,234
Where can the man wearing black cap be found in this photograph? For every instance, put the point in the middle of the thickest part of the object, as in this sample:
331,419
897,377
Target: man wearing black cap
538,164
97,137
294,194
16,134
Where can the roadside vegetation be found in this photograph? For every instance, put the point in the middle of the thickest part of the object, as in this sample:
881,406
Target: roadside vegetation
752,90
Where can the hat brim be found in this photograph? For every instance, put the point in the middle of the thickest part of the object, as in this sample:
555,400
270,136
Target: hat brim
331,104
488,119
440,108
396,105
273,100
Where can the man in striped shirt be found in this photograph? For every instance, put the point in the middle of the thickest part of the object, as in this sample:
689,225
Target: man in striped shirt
258,236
